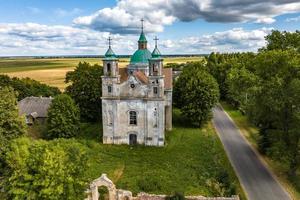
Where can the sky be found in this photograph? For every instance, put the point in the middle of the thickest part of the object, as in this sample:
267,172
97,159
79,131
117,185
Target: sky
77,27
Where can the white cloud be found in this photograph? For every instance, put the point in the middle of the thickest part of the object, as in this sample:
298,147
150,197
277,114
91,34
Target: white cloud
125,16
267,20
37,39
293,19
234,40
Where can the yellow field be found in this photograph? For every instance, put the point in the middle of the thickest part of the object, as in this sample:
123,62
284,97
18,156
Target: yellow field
53,71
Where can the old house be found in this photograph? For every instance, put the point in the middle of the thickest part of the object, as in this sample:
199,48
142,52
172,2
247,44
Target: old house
136,100
35,109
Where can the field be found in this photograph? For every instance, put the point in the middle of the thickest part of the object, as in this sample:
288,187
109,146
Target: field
53,71
252,134
190,163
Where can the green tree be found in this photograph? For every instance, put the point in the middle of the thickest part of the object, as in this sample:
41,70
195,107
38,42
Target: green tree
195,93
241,86
11,124
276,105
27,87
86,90
283,41
45,170
63,118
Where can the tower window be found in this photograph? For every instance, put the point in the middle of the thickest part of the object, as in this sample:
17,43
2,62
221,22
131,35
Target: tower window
108,67
109,89
155,90
132,118
154,68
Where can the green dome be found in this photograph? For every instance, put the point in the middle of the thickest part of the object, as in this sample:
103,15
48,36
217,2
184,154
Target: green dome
141,56
156,53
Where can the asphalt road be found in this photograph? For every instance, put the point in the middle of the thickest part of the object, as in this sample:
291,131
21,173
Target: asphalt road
256,179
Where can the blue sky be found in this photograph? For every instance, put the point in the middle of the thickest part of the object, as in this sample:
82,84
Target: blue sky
76,27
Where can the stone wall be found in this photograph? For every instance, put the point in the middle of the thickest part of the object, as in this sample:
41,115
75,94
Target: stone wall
118,194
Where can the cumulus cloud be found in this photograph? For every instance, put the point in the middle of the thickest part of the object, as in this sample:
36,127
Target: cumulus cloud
234,40
125,16
37,39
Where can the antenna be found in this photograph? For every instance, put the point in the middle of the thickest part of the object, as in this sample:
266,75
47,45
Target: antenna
156,39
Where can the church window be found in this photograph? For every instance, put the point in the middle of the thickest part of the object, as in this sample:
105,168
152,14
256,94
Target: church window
132,118
108,67
109,89
155,90
155,115
110,118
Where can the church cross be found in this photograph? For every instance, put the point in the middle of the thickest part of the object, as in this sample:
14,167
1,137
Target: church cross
109,41
156,39
142,20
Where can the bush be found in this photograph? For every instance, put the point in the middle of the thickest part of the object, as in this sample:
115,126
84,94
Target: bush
63,118
45,170
176,196
149,184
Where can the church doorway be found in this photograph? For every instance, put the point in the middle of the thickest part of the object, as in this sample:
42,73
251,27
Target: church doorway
132,139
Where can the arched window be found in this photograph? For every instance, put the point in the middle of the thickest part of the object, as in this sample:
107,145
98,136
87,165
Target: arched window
132,118
108,67
109,89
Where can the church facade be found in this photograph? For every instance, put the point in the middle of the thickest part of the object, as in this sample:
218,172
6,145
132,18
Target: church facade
136,100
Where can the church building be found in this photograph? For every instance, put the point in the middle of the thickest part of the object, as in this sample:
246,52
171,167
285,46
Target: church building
137,99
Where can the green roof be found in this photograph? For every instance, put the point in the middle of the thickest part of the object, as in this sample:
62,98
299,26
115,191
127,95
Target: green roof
142,37
156,53
110,54
141,56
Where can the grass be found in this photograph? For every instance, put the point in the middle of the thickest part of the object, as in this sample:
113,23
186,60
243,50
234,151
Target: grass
53,71
191,157
252,134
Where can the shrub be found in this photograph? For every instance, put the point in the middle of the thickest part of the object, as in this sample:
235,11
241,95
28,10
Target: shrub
63,118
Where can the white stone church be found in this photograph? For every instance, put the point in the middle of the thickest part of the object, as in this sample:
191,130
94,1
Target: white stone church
136,100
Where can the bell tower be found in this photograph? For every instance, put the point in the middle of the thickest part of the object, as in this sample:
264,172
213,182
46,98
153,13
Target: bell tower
111,76
156,77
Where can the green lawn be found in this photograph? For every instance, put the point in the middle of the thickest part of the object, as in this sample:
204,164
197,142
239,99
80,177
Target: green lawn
191,158
252,134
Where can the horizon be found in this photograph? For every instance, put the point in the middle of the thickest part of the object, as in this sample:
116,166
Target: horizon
34,28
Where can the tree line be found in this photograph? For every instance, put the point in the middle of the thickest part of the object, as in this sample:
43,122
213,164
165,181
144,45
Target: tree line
266,87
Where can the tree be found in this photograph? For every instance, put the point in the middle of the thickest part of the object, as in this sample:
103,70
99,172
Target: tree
276,106
27,87
63,118
195,93
283,41
86,90
45,170
11,124
241,86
